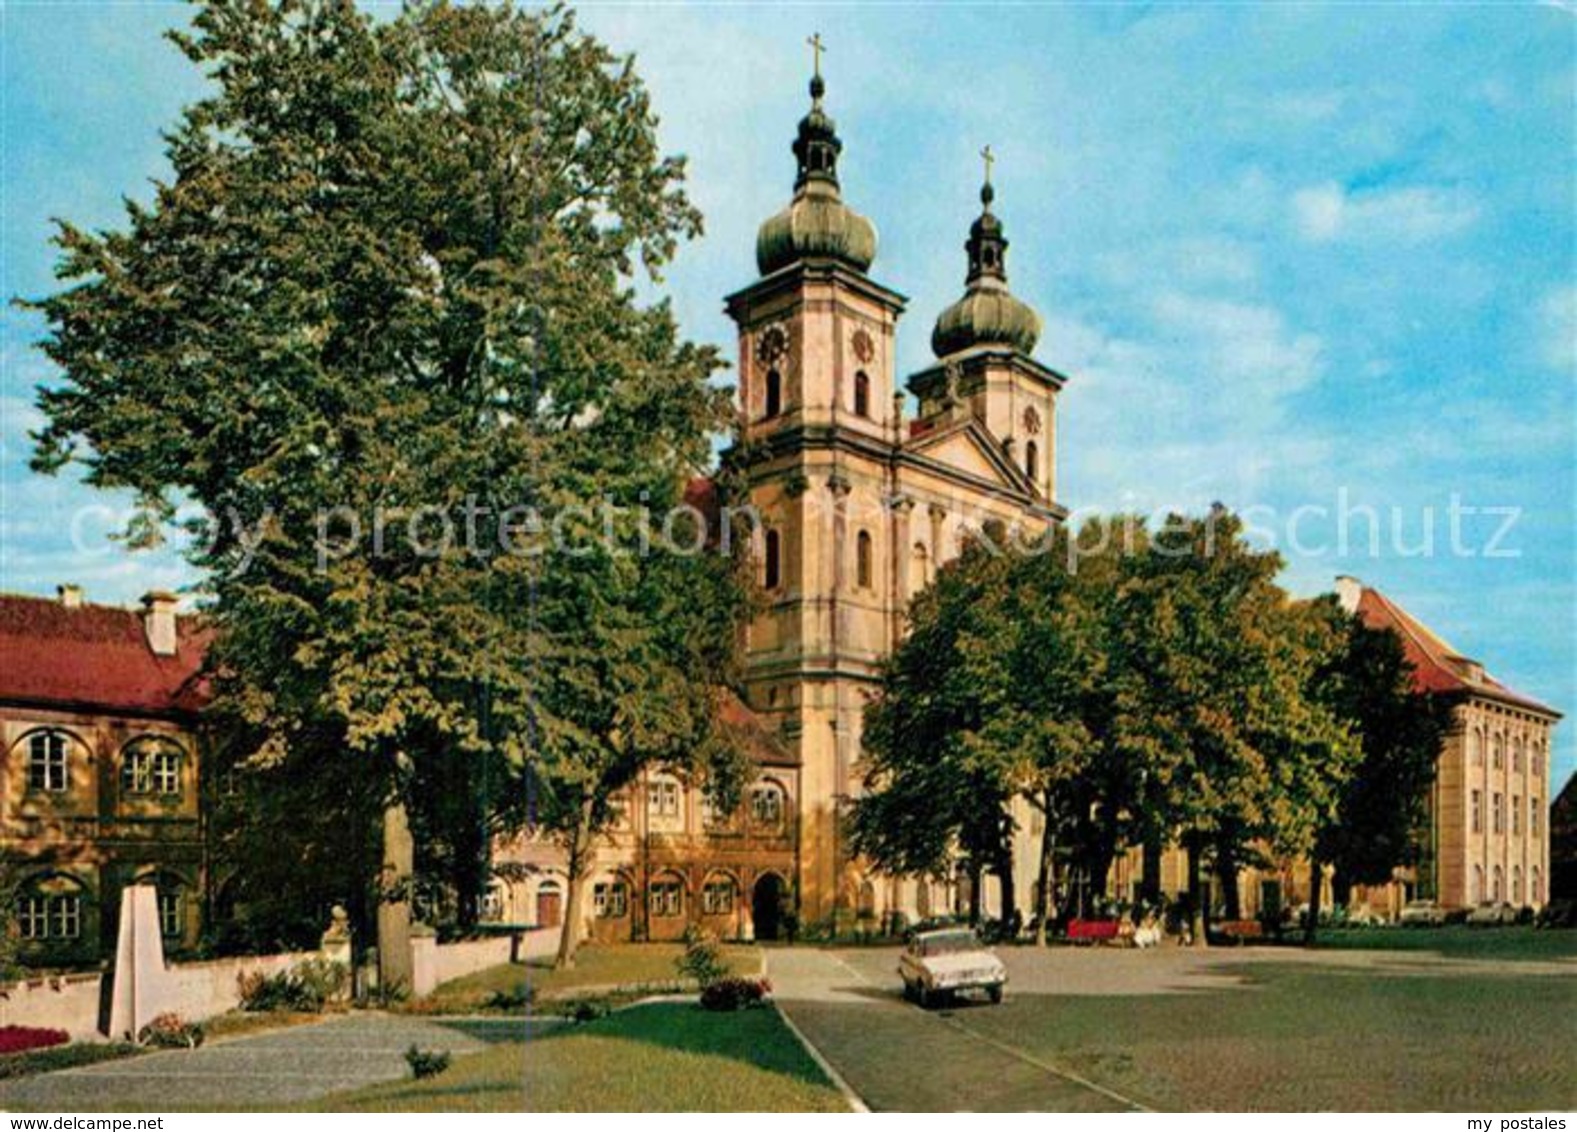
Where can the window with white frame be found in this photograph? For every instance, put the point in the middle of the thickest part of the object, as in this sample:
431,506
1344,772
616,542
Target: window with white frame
49,916
32,917
714,815
610,900
666,898
171,921
717,897
662,799
151,766
46,761
766,805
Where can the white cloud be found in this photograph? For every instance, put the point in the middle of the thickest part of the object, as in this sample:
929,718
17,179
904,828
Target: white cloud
1558,323
1328,212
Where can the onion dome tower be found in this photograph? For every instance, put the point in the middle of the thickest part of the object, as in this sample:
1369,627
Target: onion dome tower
816,224
988,314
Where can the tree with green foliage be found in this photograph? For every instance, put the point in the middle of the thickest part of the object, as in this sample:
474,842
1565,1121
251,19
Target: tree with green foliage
1379,815
381,327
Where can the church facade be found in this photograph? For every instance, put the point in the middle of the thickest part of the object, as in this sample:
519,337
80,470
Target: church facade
858,504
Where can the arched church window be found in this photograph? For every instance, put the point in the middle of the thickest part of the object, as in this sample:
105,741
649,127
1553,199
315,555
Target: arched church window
862,395
772,573
862,560
774,397
1032,461
919,568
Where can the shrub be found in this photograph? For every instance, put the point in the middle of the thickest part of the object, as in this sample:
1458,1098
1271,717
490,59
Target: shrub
590,1009
702,959
69,1056
15,1039
735,993
171,1031
426,1062
515,998
305,987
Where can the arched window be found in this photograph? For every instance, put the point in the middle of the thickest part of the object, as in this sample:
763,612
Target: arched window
151,766
1499,893
919,568
1475,747
1032,461
717,895
50,910
774,397
1498,749
1537,895
1477,895
1476,810
1497,809
766,805
1516,754
1533,816
1536,757
1516,884
862,560
862,395
772,572
665,897
48,767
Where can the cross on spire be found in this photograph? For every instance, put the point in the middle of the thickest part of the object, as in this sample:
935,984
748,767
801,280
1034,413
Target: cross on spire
816,48
990,159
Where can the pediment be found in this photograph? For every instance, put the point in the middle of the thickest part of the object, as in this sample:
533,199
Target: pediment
967,447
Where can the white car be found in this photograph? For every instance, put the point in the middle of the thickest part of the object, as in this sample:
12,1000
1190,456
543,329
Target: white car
940,963
1422,913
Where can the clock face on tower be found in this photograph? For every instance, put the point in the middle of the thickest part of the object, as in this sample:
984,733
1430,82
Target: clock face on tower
772,345
864,348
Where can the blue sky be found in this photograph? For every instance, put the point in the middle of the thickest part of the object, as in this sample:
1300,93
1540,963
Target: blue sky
1290,256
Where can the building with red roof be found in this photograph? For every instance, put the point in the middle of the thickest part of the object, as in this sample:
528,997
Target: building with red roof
100,768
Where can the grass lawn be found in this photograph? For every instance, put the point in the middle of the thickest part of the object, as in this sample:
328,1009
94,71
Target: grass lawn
636,965
1302,1038
668,1057
1458,941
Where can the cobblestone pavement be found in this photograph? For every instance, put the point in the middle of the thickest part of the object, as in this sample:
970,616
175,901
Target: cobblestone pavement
281,1067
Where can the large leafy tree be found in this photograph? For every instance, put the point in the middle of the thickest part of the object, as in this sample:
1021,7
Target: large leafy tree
381,326
1379,812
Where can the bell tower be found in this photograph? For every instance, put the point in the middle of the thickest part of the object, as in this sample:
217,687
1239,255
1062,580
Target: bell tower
817,437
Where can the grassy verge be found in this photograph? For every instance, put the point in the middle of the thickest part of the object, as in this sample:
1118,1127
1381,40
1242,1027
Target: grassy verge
1458,941
661,1057
30,1062
626,969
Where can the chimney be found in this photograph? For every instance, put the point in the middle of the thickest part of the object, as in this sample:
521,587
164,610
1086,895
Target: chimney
158,621
1348,590
70,595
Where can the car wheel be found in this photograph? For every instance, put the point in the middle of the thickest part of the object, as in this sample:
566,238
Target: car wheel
926,999
995,993
908,991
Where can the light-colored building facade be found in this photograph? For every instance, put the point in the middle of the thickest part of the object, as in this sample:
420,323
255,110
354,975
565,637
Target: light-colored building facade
100,770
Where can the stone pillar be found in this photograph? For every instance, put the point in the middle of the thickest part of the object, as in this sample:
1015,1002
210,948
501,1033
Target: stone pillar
394,904
903,509
138,992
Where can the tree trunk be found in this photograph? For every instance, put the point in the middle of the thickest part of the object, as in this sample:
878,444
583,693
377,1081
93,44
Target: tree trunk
1150,879
1227,873
975,876
579,849
1196,903
1341,888
1048,854
1311,925
1009,907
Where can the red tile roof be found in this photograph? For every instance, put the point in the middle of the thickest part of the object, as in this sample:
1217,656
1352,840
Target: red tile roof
758,740
1437,667
95,658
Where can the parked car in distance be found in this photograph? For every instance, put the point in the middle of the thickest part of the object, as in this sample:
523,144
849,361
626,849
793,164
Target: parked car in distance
1491,913
1422,913
938,964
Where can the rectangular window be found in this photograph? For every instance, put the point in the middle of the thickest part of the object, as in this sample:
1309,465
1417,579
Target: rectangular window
32,918
662,799
1533,816
65,917
138,775
170,914
717,898
167,772
1478,814
766,803
610,901
666,899
1516,813
46,768
1497,810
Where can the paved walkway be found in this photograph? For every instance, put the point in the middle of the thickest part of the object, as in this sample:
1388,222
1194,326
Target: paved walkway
897,1057
280,1067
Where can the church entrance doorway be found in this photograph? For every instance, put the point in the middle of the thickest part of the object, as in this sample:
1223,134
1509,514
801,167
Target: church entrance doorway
766,904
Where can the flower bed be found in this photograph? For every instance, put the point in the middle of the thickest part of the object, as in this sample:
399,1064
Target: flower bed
16,1039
